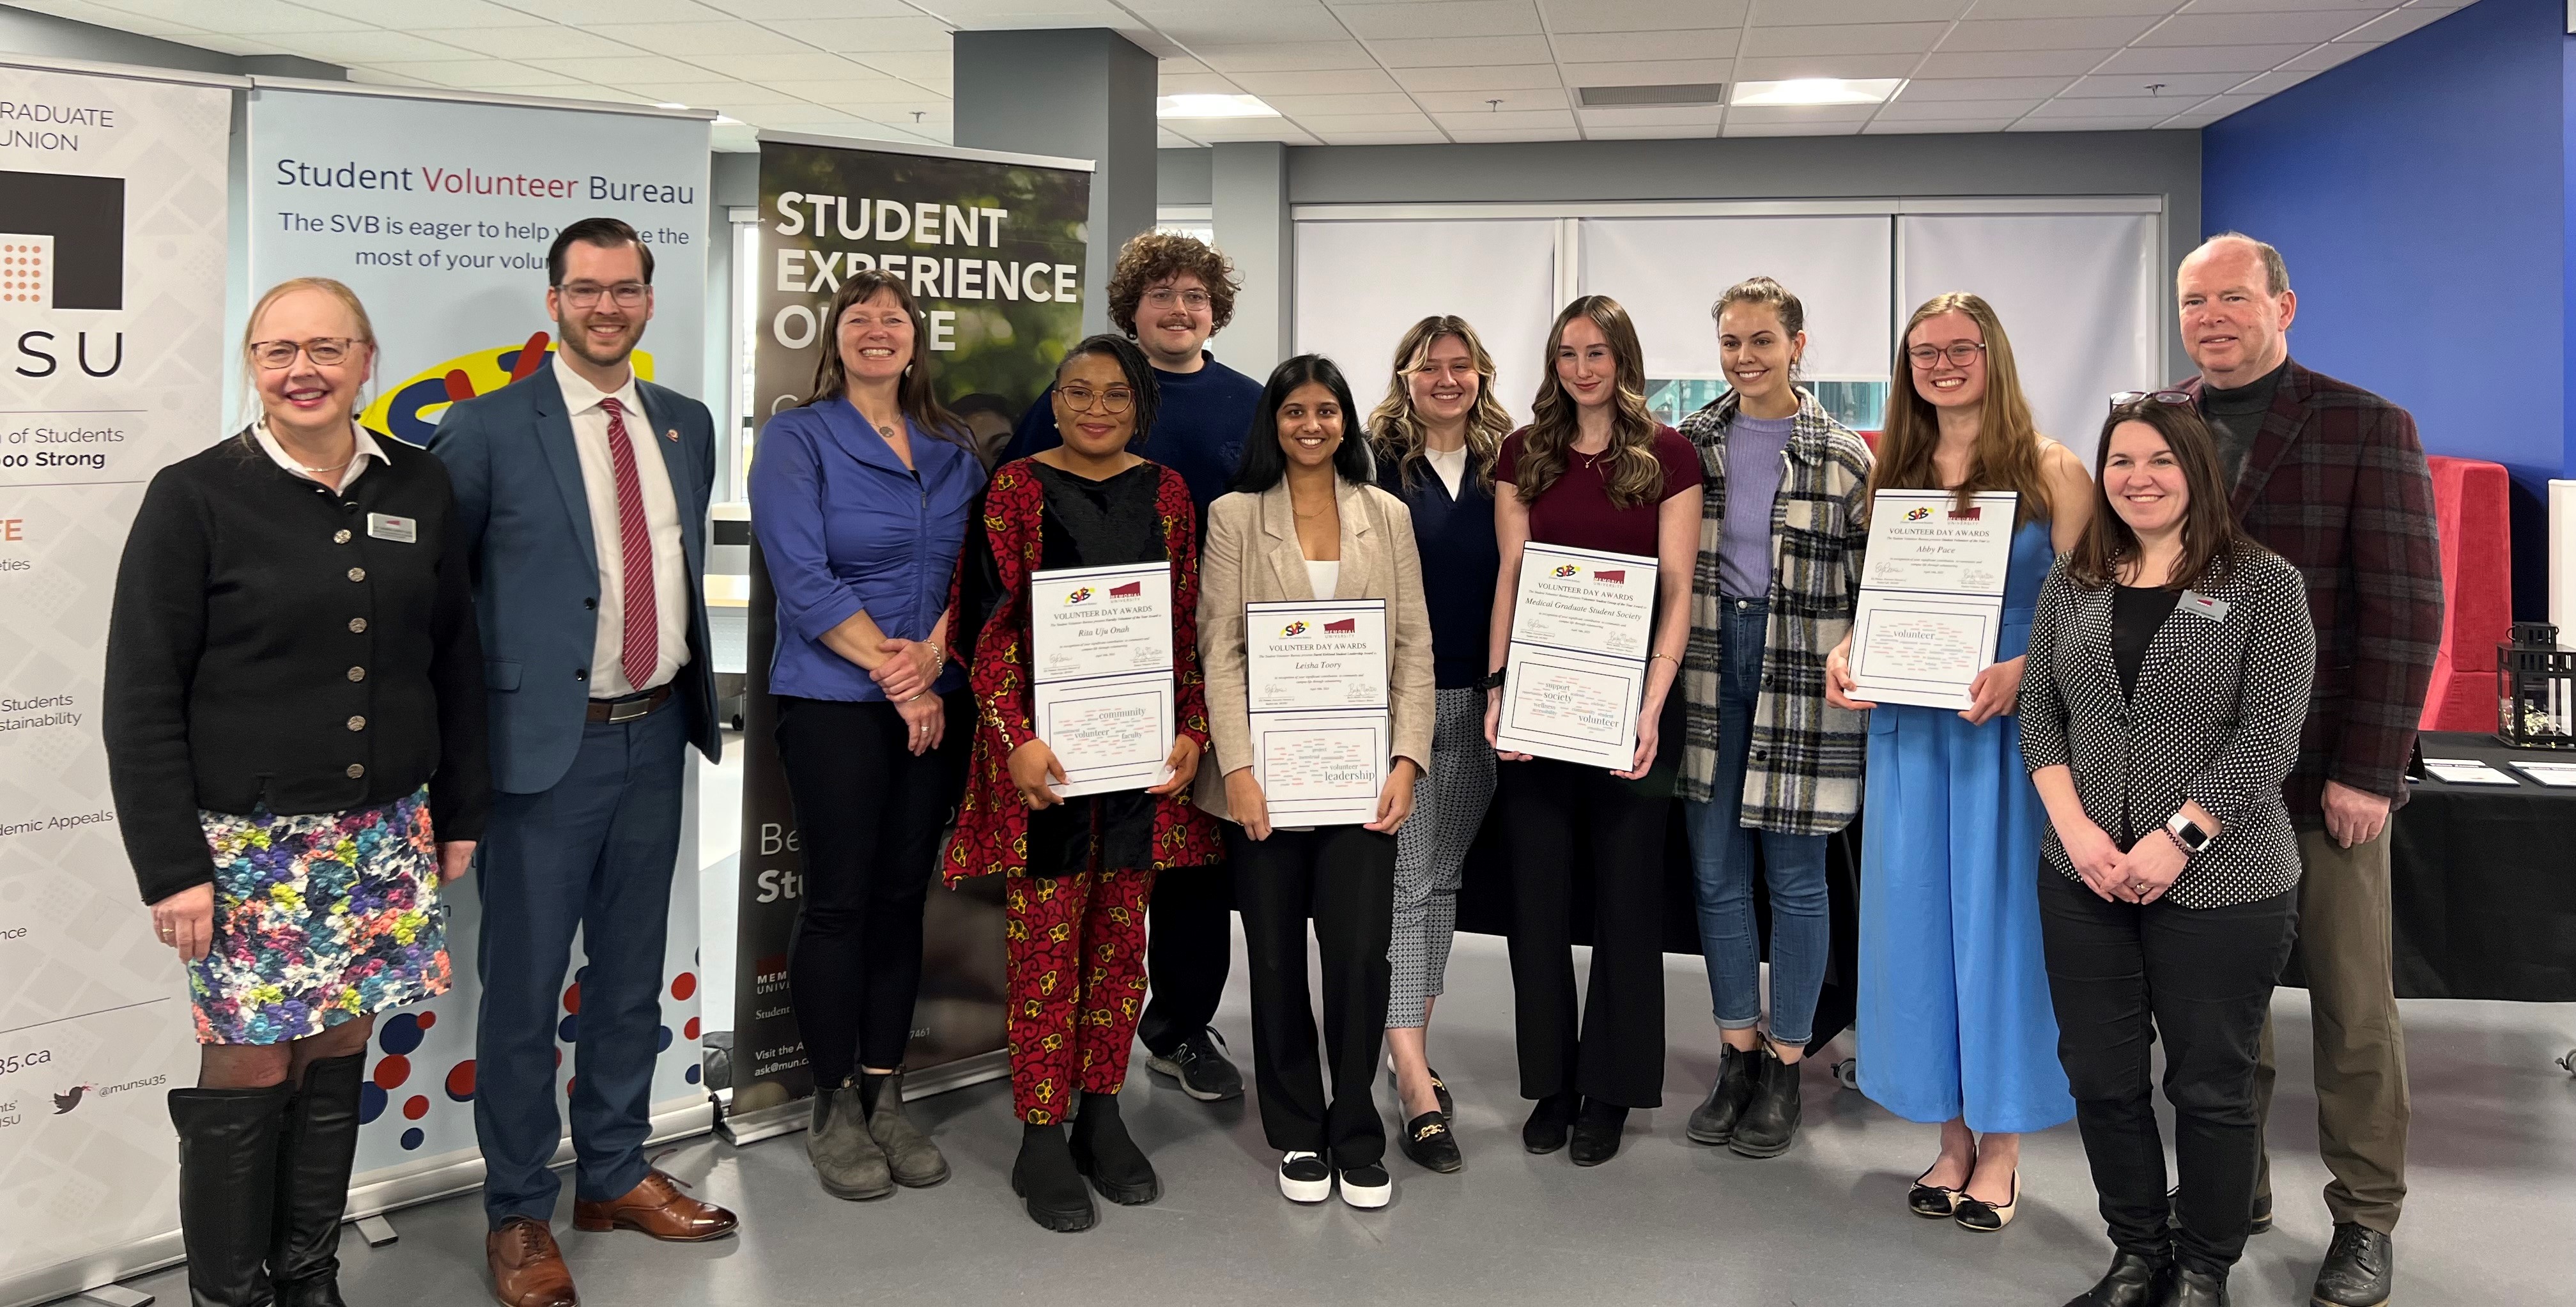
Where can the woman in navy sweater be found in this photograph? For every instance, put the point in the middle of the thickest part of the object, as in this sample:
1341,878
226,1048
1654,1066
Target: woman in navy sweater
1435,436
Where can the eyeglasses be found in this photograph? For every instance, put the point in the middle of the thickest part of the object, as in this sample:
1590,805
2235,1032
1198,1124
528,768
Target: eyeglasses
2176,398
1193,300
1113,401
1961,353
584,295
325,351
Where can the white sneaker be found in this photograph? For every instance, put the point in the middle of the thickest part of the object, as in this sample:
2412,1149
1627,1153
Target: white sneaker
1367,1186
1303,1178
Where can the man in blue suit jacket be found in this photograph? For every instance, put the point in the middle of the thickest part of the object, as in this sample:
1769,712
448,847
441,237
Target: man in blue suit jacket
582,494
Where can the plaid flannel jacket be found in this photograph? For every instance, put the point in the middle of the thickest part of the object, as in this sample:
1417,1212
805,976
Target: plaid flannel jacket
2336,483
1802,774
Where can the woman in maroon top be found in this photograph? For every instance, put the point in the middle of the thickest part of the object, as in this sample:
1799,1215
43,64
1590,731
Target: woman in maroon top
1593,470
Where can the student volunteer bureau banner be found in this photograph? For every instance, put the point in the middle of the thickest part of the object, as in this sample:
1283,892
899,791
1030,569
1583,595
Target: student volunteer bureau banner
992,247
112,221
438,213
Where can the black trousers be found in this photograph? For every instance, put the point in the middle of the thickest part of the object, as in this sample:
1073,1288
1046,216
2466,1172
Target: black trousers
2120,976
868,817
1342,878
1188,948
1554,813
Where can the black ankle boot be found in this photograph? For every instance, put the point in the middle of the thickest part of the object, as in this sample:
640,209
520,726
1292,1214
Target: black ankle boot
1770,1122
1103,1150
2132,1281
1046,1176
2190,1288
1714,1122
1596,1132
315,1148
1544,1132
228,1190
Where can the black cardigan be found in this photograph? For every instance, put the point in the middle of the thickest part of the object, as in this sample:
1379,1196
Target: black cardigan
271,645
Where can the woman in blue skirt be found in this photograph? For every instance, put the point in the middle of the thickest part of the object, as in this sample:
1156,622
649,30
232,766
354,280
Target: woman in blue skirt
1954,1019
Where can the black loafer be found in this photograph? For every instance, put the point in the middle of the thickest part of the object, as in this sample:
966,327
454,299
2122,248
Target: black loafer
1548,1123
1428,1141
1596,1132
1440,1090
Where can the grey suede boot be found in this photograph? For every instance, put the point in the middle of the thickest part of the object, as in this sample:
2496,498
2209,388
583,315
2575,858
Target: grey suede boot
915,1161
846,1157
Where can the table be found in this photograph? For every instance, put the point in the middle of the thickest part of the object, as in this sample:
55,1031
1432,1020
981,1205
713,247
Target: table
2484,882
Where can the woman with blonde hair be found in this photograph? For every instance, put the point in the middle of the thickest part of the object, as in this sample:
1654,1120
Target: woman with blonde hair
1436,435
1593,470
1954,1020
295,732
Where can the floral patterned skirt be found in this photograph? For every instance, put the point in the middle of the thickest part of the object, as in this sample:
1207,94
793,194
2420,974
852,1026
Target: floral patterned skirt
319,919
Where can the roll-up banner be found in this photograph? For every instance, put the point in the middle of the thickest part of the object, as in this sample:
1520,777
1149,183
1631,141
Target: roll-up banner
112,225
992,246
438,210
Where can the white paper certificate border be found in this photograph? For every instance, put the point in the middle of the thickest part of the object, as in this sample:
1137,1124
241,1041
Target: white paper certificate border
1259,647
1136,770
1056,656
1513,733
1346,805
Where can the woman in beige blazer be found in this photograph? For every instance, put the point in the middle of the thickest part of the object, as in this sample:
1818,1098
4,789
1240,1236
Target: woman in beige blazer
1304,522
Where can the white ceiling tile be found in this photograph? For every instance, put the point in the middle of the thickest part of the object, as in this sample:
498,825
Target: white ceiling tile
2134,107
1597,133
2085,124
98,15
928,67
1312,81
1172,65
1784,67
767,9
1481,120
1197,84
382,77
803,65
367,47
2214,108
861,87
241,17
1785,13
1288,56
1284,23
623,68
485,73
552,42
1906,109
2274,82
2327,56
720,95
418,13
1650,72
2011,63
1687,43
586,12
863,35
1848,38
1330,124
979,13
2201,59
1248,129
2177,86
1927,126
1708,116
2254,29
2280,6
1546,97
2047,34
1823,113
1371,22
235,45
1981,88
2390,26
1461,51
1734,128
1564,16
1508,77
1301,106
1991,9
1523,134
1433,137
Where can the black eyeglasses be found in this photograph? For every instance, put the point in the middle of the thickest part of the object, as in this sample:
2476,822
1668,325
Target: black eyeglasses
2177,398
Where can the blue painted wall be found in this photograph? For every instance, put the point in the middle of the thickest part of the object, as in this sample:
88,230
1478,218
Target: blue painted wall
2420,194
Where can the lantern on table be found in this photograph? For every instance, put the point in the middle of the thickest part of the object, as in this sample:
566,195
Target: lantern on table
2535,689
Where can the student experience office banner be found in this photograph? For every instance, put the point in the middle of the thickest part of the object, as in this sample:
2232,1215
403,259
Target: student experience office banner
438,213
992,246
112,224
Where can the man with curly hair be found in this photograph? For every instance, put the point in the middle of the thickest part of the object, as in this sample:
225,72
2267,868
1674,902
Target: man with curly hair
1169,293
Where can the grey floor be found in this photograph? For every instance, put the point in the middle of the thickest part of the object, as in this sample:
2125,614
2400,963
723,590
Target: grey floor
2491,1220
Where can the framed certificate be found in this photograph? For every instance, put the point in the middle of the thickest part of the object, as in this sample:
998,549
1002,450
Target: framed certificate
1574,678
1315,677
1100,674
1932,596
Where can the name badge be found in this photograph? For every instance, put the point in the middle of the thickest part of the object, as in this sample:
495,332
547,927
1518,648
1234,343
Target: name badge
401,530
2193,601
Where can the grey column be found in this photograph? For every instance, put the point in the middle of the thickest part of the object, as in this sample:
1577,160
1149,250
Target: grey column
1248,201
1084,93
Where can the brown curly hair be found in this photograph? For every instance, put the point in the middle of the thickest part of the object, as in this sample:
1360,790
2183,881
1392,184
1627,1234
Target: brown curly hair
1155,255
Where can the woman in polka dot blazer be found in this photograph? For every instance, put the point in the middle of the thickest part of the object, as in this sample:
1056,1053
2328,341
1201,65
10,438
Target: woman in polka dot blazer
2168,676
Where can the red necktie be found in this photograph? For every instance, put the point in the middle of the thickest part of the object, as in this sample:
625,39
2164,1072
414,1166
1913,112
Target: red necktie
643,645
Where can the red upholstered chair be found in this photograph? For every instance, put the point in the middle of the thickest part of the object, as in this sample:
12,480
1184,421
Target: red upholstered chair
2470,499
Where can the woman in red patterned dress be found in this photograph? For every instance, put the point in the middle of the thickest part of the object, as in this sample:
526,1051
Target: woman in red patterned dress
1080,870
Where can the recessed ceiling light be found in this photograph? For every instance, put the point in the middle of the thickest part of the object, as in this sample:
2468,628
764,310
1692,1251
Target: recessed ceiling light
1212,106
1818,90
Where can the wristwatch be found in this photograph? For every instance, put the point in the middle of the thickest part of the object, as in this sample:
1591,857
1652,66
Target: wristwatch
2187,833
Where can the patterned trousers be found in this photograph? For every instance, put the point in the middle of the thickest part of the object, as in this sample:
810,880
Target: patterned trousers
1430,849
1075,947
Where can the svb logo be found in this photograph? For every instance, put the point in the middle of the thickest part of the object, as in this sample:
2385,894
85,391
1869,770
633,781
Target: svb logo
1081,595
1917,514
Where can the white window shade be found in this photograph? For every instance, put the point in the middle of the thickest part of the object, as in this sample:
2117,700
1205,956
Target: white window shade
1361,284
2081,296
1668,271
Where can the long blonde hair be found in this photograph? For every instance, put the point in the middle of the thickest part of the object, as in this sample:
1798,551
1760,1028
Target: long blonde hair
1396,430
337,290
1633,476
2007,451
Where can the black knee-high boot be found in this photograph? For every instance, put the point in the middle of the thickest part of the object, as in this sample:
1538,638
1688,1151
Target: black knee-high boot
227,1190
315,1149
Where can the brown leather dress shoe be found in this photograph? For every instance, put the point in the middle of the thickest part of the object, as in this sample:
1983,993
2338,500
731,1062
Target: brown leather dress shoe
527,1268
658,1208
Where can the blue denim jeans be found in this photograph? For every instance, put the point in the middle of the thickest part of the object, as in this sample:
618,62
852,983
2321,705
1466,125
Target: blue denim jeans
1793,866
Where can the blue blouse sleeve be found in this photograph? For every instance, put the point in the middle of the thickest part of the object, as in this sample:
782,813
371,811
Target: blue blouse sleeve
787,518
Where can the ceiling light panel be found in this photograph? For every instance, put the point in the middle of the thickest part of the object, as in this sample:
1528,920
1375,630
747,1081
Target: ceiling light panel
1806,91
1212,106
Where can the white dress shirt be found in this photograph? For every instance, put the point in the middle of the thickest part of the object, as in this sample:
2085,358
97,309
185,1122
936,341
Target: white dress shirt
661,521
367,449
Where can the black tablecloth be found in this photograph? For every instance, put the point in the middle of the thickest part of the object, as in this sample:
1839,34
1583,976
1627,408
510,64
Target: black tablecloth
2485,882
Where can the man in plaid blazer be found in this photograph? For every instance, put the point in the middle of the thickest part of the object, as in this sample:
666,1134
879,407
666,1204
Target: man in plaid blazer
2332,478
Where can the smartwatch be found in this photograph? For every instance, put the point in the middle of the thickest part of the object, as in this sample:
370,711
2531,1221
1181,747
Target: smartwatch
2187,833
